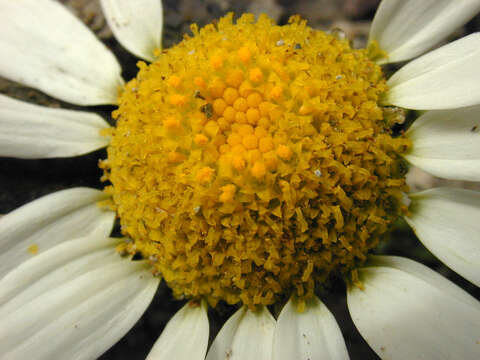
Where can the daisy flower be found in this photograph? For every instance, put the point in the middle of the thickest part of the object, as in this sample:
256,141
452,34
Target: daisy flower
250,164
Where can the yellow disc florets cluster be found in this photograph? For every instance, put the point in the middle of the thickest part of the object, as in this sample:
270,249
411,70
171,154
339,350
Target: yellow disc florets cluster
252,161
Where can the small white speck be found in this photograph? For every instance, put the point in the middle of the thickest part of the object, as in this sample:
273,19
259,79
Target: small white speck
406,200
196,209
317,173
191,52
338,33
280,42
338,77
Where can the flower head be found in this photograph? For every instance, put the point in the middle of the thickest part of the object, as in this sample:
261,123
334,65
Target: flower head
249,164
216,157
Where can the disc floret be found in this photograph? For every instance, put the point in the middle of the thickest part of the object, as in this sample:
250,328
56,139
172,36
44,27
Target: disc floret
252,161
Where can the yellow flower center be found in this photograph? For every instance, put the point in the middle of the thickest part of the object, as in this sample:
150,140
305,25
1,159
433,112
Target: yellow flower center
252,161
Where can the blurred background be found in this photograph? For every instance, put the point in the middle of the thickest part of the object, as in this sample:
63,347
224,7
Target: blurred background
24,180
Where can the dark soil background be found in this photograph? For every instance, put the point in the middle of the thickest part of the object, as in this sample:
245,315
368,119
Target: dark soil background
24,180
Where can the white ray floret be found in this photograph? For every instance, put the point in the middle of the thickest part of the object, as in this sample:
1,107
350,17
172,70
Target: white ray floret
54,267
446,143
137,25
185,337
246,335
311,334
49,221
407,310
44,46
408,28
447,222
445,78
78,306
32,132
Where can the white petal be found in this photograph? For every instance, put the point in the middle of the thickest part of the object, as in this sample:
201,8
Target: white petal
137,25
48,221
312,334
185,337
31,132
75,307
54,267
447,222
446,143
246,335
407,28
445,78
407,311
44,46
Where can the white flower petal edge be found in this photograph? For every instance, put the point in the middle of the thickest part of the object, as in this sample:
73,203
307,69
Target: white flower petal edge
407,28
246,335
447,222
137,25
446,143
445,78
47,48
185,337
77,306
54,267
407,311
311,334
49,221
31,132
